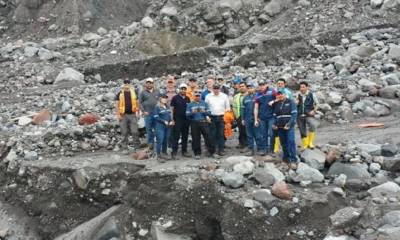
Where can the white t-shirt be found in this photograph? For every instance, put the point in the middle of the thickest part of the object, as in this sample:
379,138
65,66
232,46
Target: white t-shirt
218,104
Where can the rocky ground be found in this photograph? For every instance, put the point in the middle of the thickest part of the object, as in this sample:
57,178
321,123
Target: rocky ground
62,173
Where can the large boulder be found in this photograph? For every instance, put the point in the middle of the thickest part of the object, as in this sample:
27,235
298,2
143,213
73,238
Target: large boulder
244,168
372,149
314,157
385,189
392,218
390,92
305,173
352,171
233,180
264,178
271,169
70,76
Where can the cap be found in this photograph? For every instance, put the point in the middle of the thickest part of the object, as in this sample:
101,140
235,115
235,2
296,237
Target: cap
149,80
237,79
216,86
163,95
261,82
183,85
250,84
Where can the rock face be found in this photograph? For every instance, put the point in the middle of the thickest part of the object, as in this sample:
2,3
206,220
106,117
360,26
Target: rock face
315,158
70,76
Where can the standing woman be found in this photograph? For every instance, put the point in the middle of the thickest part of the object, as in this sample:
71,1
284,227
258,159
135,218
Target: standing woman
162,115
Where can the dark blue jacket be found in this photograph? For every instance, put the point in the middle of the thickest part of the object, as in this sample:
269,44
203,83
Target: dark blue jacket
265,111
308,106
285,112
162,114
248,108
202,111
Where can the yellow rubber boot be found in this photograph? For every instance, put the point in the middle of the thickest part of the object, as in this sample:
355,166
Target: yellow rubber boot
311,137
305,142
277,145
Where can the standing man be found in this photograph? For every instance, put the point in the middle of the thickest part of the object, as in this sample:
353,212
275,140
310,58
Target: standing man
209,87
181,128
192,88
281,86
199,115
148,100
127,108
263,117
247,116
237,107
218,103
284,120
306,108
221,82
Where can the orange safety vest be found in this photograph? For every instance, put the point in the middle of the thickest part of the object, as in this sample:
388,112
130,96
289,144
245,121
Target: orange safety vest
135,105
229,117
190,93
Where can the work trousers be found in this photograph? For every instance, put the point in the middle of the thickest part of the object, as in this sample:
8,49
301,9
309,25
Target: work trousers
129,125
149,124
251,134
287,139
180,130
242,133
199,129
265,136
217,131
162,135
306,122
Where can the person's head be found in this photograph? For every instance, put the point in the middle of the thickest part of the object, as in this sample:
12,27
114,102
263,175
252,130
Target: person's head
192,82
149,84
220,80
210,82
127,84
242,87
250,88
262,86
171,81
281,96
281,83
197,96
237,80
164,99
303,87
182,89
216,89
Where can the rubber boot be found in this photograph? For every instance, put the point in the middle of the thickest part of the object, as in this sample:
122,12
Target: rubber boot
277,145
305,142
311,137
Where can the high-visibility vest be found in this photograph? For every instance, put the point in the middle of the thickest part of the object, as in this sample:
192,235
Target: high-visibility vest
135,105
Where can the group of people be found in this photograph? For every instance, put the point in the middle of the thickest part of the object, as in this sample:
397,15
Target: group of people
265,117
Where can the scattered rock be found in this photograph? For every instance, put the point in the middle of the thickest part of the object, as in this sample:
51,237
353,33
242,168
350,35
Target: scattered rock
244,168
385,189
306,173
263,177
389,150
233,179
345,216
282,190
81,179
71,76
88,119
23,121
264,196
352,171
42,116
315,158
147,22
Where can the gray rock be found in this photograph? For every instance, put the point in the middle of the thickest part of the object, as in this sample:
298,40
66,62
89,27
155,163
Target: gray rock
362,51
274,7
394,51
381,110
306,173
233,160
345,216
102,31
30,155
366,84
391,79
342,237
389,150
23,121
88,37
45,54
372,149
274,211
340,180
315,158
81,179
376,3
70,75
391,164
30,51
263,177
264,196
244,168
335,97
390,92
392,218
342,63
385,189
233,180
304,3
109,230
147,22
104,42
158,232
271,169
230,4
374,168
391,4
131,29
169,11
352,171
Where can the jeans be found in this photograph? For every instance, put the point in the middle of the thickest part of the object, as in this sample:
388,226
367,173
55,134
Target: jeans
180,129
288,144
261,138
149,124
251,134
217,131
199,129
162,135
